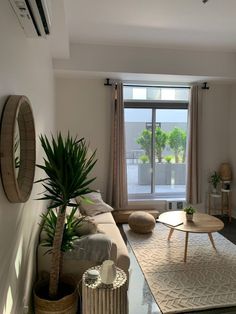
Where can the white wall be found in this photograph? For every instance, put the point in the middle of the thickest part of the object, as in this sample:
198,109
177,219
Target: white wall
83,108
25,68
139,60
232,144
214,132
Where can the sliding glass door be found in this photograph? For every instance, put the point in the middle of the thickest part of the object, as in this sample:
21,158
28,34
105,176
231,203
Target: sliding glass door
156,133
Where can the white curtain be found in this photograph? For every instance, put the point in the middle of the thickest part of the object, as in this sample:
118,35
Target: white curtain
193,161
117,185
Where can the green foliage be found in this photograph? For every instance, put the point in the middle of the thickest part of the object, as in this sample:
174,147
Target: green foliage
144,159
177,142
189,210
67,167
168,158
183,145
215,179
145,140
70,229
161,138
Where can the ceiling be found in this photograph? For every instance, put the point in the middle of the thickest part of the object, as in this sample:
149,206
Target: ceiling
178,24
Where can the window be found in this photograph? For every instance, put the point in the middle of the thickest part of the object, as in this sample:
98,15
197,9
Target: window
156,132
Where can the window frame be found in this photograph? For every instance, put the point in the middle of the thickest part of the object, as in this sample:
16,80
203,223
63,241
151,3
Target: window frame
154,105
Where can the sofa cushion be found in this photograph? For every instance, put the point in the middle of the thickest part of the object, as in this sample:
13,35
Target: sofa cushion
87,226
113,232
104,218
95,207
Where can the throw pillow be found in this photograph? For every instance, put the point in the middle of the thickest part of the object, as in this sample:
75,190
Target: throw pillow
87,226
95,206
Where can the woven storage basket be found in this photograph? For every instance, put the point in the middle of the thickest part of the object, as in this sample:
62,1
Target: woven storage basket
66,305
225,172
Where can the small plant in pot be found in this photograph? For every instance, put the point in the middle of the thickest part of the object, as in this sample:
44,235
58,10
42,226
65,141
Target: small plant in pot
215,180
67,167
189,212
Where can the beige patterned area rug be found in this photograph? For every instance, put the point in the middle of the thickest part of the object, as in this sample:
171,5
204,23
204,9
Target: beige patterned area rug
207,280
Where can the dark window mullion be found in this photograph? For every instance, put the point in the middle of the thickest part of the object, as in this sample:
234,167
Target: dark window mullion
156,104
153,151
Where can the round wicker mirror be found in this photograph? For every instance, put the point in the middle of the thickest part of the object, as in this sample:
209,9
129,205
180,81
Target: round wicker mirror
17,149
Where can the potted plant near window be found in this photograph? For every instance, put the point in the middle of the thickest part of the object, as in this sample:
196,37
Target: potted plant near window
215,180
67,167
189,212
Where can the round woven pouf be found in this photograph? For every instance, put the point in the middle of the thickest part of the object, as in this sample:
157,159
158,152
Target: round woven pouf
141,222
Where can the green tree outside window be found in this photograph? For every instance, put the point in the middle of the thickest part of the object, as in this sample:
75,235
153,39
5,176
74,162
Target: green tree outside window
161,138
177,142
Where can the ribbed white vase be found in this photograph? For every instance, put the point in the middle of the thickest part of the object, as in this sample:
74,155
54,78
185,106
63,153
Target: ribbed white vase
108,272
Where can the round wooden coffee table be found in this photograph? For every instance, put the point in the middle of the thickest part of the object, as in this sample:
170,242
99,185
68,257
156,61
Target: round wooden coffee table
202,223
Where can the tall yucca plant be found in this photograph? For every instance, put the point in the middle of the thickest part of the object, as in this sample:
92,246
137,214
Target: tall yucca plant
66,166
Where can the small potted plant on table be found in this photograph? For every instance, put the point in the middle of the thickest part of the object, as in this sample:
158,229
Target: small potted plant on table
189,212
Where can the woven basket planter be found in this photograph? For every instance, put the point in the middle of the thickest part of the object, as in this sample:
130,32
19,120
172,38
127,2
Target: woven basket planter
225,172
67,304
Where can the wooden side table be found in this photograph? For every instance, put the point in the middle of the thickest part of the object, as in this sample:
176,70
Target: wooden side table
226,202
211,198
225,198
98,298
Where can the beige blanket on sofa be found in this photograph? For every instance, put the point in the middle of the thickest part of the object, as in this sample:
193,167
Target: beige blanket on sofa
94,247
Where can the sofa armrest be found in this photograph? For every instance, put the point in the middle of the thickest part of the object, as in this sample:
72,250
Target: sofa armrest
122,260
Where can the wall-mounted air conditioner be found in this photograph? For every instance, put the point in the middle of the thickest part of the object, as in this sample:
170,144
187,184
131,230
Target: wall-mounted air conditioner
175,205
33,16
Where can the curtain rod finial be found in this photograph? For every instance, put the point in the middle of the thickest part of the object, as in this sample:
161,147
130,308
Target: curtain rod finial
107,83
205,86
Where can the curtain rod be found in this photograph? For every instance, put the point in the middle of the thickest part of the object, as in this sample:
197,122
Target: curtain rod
108,83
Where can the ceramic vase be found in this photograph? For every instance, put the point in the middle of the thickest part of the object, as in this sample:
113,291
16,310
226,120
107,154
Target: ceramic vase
108,272
189,217
214,190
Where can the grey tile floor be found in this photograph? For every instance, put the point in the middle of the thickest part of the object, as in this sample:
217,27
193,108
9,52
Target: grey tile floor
140,297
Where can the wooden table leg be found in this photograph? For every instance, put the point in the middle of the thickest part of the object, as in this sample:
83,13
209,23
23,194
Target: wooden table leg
229,206
222,203
209,203
170,233
186,247
211,239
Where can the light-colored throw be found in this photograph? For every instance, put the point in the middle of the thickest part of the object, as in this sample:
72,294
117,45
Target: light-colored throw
207,280
93,247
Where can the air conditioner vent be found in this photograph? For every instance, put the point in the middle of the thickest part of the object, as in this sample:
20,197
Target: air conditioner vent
175,205
33,16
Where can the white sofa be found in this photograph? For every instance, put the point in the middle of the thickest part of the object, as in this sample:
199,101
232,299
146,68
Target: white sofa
119,252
